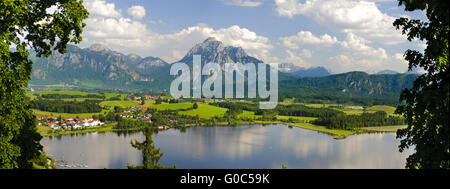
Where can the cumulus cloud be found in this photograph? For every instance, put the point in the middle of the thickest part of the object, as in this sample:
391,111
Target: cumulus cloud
357,55
344,63
101,27
137,12
354,52
306,53
295,59
350,16
307,38
242,3
358,47
101,8
353,43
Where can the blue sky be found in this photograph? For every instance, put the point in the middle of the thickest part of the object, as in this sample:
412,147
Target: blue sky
341,35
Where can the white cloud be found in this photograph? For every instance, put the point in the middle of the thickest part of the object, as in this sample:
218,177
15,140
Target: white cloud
357,55
353,43
350,16
344,63
353,53
296,60
306,53
242,3
399,57
358,47
420,45
137,12
101,27
101,8
307,38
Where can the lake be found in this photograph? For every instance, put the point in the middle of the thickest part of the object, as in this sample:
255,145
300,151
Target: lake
244,146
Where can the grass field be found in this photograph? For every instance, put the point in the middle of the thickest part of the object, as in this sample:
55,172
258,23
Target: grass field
248,114
319,105
384,128
349,111
176,106
388,109
337,133
67,115
43,129
280,117
205,111
107,95
123,104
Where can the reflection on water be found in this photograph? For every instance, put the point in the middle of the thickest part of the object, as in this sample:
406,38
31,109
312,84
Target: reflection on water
244,146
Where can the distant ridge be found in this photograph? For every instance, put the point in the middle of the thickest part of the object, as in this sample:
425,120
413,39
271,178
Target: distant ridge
391,72
312,72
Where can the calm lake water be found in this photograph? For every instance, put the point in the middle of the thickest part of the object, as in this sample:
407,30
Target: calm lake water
243,146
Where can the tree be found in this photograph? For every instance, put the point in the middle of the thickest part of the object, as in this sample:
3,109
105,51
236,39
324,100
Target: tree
26,24
195,106
426,105
150,154
142,101
158,101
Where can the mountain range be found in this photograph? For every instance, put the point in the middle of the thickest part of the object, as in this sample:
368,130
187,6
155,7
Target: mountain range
392,72
98,67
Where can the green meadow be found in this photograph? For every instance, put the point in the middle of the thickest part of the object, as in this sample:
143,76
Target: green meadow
337,133
67,115
176,106
205,111
121,103
388,109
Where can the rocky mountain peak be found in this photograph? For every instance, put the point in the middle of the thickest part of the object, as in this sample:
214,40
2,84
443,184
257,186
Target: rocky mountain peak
134,56
98,48
212,50
210,39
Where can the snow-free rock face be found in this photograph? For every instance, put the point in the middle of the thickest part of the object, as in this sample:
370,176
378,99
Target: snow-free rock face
212,50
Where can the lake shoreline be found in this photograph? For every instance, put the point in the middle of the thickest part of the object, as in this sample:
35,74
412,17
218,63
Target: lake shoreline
336,133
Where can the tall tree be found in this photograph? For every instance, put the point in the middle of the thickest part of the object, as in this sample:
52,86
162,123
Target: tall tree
426,104
44,26
150,154
142,100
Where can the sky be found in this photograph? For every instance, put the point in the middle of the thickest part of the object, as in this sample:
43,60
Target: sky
340,35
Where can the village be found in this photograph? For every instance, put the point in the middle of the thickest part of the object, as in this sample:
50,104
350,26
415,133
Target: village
74,123
68,123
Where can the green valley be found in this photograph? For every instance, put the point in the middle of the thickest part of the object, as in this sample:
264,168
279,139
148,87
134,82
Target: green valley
186,112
